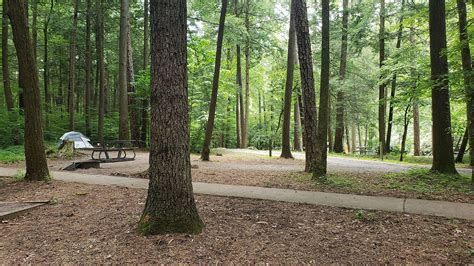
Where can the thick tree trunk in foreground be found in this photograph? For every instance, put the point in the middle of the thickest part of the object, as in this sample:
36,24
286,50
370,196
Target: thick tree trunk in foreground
36,166
443,157
382,100
123,84
72,68
394,84
5,64
170,206
286,147
88,78
101,68
468,74
339,136
320,167
215,85
307,82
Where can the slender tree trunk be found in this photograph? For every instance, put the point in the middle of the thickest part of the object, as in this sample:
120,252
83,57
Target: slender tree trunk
298,142
101,68
246,109
382,99
443,157
330,134
339,137
145,104
320,167
72,68
238,100
348,141
5,64
462,149
259,109
88,70
215,85
394,83
46,66
36,166
286,147
170,206
353,137
123,81
307,82
416,129
132,101
405,131
468,74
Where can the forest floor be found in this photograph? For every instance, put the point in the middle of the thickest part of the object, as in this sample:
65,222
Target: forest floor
250,169
96,224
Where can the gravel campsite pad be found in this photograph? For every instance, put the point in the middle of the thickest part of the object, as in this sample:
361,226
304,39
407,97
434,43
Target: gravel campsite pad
96,224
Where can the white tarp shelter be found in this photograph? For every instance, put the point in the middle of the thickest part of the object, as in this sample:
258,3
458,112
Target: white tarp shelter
80,141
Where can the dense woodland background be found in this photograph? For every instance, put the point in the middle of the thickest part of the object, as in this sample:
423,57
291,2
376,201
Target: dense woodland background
78,50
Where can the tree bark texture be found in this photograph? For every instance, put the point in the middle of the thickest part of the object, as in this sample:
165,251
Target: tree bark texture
307,82
443,157
382,99
72,68
320,167
286,147
101,68
5,64
36,166
88,70
170,206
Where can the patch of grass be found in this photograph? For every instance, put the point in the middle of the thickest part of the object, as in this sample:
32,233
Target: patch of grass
331,180
19,176
12,154
425,181
395,158
364,216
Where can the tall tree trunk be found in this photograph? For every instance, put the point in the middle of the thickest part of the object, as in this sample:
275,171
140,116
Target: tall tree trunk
123,81
443,157
468,74
170,206
46,66
330,134
406,122
307,82
416,129
36,166
394,83
382,99
320,167
353,137
298,142
238,100
286,147
215,85
88,70
339,136
246,109
132,101
72,68
145,104
101,68
34,27
5,64
462,148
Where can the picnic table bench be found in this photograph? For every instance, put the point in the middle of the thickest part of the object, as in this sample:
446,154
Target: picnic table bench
102,153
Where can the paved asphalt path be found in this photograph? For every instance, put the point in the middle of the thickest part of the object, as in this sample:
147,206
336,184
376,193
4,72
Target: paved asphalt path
349,164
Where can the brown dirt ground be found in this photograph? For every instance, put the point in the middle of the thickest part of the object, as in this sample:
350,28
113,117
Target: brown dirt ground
96,224
257,170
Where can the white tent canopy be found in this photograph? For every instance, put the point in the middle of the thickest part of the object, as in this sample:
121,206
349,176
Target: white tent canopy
80,141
